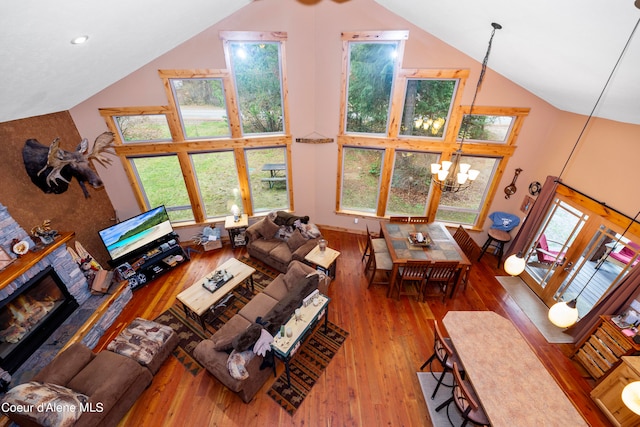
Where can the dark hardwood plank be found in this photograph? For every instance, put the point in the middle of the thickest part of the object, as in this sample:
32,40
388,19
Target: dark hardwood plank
371,381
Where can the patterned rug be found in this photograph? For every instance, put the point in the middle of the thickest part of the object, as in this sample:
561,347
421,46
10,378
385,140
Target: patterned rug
190,332
307,365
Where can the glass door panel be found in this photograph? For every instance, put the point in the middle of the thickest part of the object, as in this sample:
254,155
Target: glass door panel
552,245
595,272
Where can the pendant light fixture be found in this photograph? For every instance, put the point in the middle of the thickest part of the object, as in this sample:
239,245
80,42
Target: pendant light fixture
452,175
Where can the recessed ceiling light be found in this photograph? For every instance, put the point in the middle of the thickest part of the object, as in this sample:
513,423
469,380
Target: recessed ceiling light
79,39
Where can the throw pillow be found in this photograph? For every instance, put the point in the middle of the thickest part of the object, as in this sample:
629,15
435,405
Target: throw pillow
236,364
310,231
45,401
247,338
296,240
267,228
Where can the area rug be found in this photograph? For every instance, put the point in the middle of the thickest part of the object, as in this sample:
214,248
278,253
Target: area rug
428,384
307,366
190,332
534,308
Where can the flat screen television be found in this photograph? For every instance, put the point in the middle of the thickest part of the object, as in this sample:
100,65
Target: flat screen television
128,237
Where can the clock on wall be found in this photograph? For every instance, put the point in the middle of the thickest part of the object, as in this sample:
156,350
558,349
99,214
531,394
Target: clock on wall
534,188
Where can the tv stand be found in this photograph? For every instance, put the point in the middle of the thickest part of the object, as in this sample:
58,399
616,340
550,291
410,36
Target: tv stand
152,261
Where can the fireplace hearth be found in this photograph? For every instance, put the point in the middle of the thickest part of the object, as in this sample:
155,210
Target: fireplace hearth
29,317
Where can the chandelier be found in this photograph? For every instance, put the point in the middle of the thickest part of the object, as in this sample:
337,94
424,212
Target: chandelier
452,175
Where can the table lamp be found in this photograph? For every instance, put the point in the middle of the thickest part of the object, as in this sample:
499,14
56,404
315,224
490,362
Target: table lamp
235,210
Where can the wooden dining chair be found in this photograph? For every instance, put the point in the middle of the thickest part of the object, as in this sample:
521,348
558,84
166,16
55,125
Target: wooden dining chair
470,249
441,274
418,219
411,277
378,262
444,353
465,401
375,244
398,219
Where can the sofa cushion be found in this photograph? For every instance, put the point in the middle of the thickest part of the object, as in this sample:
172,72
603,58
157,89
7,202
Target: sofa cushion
66,365
40,402
108,375
223,338
296,240
265,246
267,228
277,289
259,305
296,272
281,254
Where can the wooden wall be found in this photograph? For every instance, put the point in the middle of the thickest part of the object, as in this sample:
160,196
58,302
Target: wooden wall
29,206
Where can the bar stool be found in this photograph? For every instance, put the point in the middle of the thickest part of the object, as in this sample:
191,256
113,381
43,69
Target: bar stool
497,238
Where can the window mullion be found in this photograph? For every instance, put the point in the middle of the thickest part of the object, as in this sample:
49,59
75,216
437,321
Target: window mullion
243,177
385,180
192,186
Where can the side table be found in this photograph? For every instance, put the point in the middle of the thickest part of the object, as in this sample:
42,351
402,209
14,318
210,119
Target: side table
236,230
324,261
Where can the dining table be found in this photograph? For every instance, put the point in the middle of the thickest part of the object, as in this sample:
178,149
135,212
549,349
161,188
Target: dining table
511,383
439,245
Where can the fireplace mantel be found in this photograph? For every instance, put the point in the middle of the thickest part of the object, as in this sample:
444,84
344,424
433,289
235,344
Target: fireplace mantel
25,262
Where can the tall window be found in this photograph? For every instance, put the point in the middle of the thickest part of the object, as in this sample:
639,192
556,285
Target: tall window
160,179
371,71
212,146
361,178
258,79
395,122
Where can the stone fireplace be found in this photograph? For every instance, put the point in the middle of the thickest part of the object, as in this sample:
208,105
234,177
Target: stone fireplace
54,270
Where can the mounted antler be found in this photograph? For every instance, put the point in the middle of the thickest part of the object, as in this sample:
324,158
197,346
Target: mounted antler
57,161
62,165
102,144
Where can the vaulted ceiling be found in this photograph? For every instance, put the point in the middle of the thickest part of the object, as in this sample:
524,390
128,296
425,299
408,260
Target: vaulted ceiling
562,51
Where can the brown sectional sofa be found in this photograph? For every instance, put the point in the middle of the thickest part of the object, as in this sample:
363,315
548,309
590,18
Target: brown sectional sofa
274,305
276,240
112,383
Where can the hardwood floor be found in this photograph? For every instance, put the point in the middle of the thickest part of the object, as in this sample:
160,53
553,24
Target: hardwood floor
370,382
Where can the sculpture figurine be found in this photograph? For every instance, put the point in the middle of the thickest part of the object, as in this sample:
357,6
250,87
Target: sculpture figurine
44,232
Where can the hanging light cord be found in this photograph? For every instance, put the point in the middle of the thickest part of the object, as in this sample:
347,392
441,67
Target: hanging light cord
483,69
624,49
616,244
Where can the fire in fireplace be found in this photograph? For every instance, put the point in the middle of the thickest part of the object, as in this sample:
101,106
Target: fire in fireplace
30,315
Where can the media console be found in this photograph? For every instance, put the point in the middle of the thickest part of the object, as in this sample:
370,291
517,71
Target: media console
151,261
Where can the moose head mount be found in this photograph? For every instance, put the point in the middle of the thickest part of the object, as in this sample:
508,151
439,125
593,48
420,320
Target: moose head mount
52,168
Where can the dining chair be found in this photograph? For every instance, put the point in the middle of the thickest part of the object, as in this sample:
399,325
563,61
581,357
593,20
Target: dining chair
418,219
378,262
375,244
443,352
441,274
465,400
411,277
398,219
470,249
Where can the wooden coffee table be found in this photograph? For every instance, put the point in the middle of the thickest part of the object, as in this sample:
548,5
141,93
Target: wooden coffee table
197,300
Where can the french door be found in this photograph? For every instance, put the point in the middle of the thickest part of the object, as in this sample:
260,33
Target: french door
574,252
